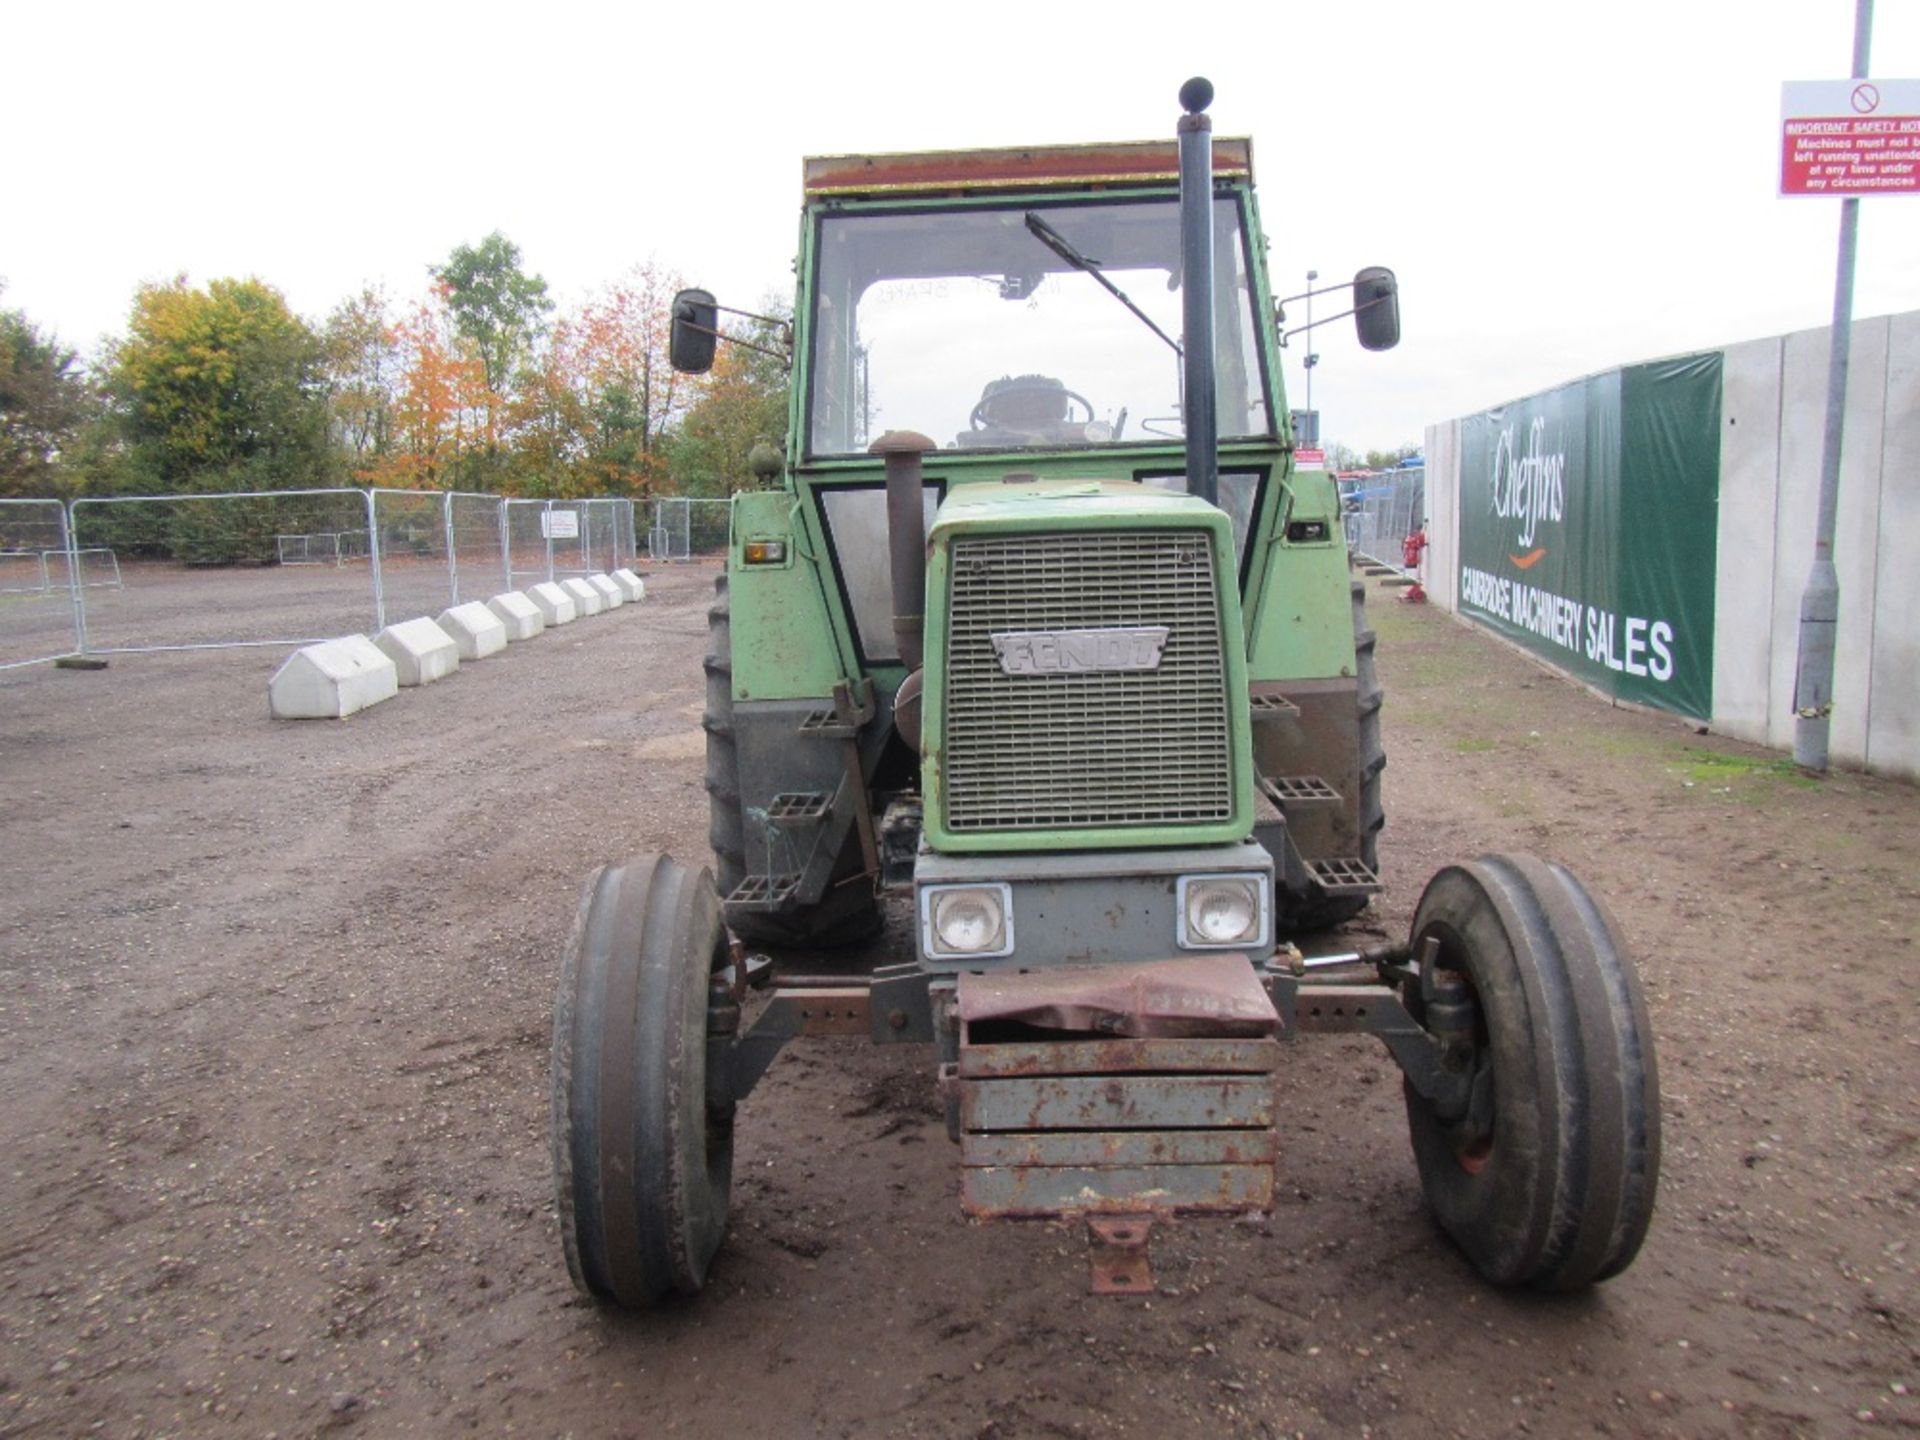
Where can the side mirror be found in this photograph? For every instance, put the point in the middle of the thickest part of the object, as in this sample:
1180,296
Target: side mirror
695,332
1376,308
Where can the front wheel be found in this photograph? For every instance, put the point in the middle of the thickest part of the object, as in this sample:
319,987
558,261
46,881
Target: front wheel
1548,1178
642,1154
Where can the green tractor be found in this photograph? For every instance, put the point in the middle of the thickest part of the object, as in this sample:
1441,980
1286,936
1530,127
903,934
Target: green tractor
1045,632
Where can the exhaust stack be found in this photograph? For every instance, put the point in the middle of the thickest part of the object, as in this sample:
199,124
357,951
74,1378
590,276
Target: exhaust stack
906,539
1196,269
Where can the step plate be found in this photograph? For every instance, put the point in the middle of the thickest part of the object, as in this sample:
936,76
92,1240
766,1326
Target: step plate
1272,707
799,808
1345,877
763,892
1285,790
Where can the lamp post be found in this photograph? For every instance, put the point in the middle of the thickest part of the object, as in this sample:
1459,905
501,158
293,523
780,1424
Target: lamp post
1313,420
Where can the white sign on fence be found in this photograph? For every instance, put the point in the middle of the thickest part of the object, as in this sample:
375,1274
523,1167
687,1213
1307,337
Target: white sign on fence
560,524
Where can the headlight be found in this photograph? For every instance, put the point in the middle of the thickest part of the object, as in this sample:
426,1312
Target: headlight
970,920
1221,910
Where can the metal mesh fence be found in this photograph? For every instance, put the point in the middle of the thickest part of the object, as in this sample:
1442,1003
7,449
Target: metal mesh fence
477,543
680,528
37,620
204,571
412,573
567,524
1383,510
529,558
125,573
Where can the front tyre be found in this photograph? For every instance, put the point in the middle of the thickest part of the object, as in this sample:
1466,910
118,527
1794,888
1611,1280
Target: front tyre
642,1155
1548,1180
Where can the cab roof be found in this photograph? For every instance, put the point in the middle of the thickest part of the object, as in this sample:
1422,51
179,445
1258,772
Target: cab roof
947,172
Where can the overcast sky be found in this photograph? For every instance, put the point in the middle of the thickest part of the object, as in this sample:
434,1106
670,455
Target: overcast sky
1561,187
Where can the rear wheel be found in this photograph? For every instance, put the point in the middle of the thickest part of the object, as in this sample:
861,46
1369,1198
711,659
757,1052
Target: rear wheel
642,1154
848,912
1548,1179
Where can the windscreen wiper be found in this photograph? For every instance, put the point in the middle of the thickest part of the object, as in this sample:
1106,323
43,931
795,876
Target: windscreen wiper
1060,246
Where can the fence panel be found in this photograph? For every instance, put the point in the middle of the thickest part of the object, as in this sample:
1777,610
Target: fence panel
477,543
1391,507
37,615
568,525
599,542
667,529
206,571
529,551
708,522
681,527
413,555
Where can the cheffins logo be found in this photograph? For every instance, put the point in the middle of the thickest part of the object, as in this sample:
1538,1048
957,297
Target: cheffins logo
1529,488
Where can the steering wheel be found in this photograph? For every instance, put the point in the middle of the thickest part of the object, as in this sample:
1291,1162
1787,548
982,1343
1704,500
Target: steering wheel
978,419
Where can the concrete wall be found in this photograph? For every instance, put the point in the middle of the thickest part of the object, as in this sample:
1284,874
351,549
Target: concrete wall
1773,413
1443,514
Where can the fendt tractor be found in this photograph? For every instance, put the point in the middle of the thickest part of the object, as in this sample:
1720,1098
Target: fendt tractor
1044,630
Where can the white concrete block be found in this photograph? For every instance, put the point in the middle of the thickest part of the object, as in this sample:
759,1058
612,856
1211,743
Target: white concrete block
420,650
520,617
635,587
609,589
331,680
475,629
557,607
588,599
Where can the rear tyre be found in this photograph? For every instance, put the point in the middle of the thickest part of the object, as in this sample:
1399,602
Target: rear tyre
848,912
642,1155
1552,1184
1300,914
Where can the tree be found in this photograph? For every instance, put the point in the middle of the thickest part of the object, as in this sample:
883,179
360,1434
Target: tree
1387,459
631,397
43,402
363,369
497,307
223,389
1343,458
440,393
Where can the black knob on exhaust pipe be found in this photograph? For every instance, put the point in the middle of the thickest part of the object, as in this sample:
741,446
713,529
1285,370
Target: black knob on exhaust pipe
1196,95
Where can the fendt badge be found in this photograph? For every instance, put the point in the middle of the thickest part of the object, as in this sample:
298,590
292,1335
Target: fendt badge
1079,652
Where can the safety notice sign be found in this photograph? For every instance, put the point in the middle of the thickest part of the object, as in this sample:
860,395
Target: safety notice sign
1850,137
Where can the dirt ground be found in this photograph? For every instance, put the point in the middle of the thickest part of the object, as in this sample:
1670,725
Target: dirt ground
274,1009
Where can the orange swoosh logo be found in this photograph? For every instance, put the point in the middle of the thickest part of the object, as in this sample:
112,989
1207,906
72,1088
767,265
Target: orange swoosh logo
1528,560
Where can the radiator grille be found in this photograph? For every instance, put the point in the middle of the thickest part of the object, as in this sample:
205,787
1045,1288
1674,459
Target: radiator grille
1096,750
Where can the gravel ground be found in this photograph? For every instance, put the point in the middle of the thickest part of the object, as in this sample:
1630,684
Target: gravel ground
273,1036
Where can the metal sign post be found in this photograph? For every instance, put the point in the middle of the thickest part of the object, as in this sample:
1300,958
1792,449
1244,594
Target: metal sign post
1850,139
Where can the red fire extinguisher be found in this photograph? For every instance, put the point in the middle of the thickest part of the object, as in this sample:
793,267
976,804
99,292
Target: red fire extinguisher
1410,550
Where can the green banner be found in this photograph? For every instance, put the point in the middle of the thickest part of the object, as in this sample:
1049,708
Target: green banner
1587,528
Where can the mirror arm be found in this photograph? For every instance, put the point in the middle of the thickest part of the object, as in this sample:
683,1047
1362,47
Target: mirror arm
1323,290
786,354
783,326
1327,319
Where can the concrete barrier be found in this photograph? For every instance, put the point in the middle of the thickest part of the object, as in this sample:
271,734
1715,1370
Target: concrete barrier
635,587
584,595
517,614
475,629
557,607
609,589
420,650
331,680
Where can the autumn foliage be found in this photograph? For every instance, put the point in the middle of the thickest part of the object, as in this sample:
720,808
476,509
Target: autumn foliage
480,382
